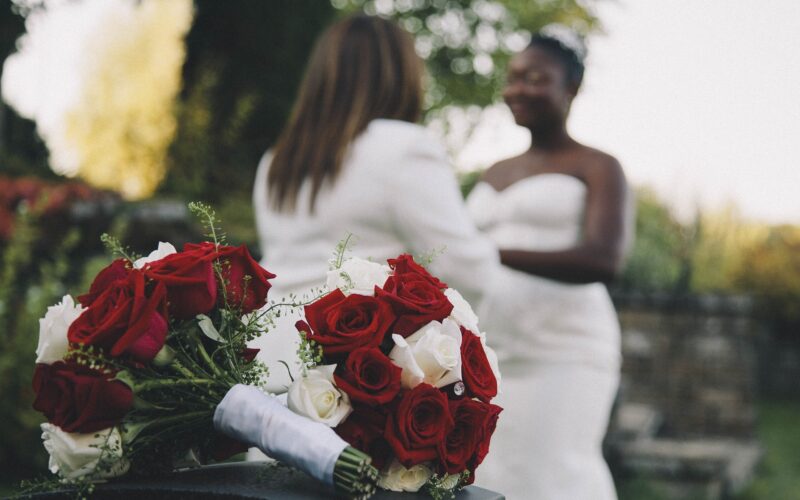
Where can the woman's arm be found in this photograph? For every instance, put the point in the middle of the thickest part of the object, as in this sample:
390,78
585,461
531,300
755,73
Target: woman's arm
599,256
429,214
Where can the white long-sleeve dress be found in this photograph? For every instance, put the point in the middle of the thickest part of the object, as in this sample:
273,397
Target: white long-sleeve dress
396,193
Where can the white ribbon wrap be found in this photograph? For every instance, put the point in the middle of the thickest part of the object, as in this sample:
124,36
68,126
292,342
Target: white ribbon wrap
249,415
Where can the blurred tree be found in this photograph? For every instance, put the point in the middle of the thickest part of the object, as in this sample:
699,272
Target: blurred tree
722,237
245,59
660,257
467,43
244,62
124,124
769,267
21,149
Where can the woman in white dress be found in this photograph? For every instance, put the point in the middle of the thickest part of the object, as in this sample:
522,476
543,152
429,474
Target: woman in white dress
558,214
352,160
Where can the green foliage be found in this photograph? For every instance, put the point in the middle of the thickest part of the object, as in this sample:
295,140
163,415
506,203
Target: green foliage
243,65
29,283
659,259
22,151
770,268
309,352
446,486
467,43
777,476
468,180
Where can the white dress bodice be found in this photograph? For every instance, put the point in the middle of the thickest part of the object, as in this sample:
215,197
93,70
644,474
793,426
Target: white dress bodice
539,318
542,212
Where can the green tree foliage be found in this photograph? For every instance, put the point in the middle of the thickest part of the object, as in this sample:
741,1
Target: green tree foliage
22,152
243,64
245,59
467,43
660,257
770,268
29,283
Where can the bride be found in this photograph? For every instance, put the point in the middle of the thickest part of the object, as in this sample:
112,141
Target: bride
558,213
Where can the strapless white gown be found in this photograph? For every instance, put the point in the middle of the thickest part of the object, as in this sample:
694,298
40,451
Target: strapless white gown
559,347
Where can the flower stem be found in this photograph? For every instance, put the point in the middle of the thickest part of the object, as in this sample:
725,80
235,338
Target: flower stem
210,362
180,418
161,384
353,474
178,367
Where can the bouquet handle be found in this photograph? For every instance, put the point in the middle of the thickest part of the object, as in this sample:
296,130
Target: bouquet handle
260,420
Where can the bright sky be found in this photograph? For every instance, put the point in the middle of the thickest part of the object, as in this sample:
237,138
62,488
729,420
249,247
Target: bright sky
698,99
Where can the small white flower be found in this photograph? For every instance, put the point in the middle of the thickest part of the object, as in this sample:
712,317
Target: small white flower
396,477
317,397
358,276
162,251
53,329
432,355
95,454
462,311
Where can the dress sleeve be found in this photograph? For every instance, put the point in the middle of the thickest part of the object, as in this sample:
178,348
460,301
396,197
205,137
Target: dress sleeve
260,202
429,214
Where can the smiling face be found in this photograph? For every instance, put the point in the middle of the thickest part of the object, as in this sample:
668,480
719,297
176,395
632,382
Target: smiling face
537,90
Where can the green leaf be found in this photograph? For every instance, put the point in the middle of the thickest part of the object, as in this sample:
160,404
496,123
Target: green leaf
207,327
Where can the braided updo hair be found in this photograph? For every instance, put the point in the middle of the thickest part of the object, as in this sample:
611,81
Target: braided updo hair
566,47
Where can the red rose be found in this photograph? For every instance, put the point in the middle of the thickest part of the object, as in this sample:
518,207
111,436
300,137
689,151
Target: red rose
249,354
489,425
363,430
419,424
118,270
189,279
79,399
342,323
125,318
474,423
476,371
246,294
405,264
369,377
416,302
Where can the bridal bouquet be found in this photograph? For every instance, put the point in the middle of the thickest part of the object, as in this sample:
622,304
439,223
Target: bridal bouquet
396,364
152,365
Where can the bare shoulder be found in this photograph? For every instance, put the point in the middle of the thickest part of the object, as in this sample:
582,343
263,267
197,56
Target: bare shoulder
599,166
502,173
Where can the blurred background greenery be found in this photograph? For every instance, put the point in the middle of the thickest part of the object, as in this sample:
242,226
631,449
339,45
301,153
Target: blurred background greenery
192,120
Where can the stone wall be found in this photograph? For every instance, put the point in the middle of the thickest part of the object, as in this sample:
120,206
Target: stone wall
685,418
697,369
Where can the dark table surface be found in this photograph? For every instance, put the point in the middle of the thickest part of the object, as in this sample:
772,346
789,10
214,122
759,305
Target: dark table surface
239,481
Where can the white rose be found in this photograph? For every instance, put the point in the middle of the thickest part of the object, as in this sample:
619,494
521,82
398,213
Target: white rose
358,276
162,251
53,328
96,454
317,397
462,311
431,355
396,477
491,356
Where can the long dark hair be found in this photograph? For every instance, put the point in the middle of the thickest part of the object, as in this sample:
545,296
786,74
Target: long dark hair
361,68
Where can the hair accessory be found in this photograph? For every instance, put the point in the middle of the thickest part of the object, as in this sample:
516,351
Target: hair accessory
567,38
